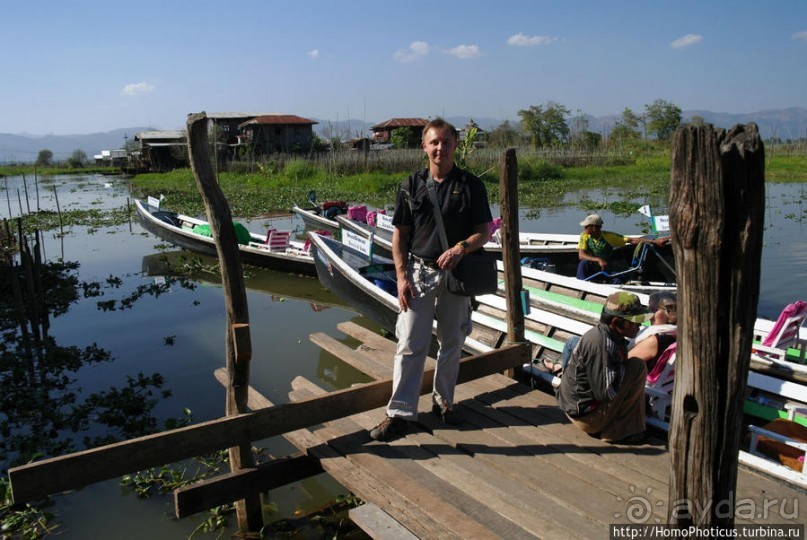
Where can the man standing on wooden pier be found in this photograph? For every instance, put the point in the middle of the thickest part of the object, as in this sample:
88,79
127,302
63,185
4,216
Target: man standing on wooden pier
420,265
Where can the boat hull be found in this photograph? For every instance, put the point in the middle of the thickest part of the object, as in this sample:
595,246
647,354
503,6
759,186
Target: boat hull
553,252
286,261
340,271
314,221
382,239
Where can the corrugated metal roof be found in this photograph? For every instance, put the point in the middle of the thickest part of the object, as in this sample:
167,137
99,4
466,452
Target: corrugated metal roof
224,115
401,122
161,144
278,119
164,134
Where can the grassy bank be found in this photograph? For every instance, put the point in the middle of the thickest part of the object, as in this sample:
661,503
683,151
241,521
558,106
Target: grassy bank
545,176
542,184
31,170
278,188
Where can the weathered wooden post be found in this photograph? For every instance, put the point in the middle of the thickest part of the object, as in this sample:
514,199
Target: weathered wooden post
717,196
508,200
237,338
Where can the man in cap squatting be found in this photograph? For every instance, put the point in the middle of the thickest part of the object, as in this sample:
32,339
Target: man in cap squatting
602,390
596,246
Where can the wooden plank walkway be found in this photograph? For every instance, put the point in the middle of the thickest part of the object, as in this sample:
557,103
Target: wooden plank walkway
515,469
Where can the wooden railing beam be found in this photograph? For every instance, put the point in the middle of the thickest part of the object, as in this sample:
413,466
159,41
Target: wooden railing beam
72,471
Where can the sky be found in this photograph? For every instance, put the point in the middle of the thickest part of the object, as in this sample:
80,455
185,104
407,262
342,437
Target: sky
86,66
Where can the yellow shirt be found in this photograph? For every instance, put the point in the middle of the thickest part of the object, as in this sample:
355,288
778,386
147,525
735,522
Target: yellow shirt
602,247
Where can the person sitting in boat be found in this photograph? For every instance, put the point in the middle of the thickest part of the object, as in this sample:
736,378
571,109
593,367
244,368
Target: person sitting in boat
649,343
653,340
602,388
596,247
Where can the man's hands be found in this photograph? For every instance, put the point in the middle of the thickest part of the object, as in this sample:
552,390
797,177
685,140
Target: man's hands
405,292
451,258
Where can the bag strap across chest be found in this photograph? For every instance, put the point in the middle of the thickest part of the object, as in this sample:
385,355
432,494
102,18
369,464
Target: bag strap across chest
438,216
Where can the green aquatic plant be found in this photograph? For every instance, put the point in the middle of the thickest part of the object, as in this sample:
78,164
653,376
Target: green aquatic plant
24,521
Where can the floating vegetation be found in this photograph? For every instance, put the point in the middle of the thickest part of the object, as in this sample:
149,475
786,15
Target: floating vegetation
45,413
95,218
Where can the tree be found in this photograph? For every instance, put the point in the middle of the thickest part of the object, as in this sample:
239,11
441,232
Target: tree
697,120
581,138
77,159
545,126
504,136
586,140
45,158
403,137
626,129
662,118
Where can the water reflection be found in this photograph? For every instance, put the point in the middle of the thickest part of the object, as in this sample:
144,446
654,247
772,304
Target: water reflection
333,373
44,411
204,270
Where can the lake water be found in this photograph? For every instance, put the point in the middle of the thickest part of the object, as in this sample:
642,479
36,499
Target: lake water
181,334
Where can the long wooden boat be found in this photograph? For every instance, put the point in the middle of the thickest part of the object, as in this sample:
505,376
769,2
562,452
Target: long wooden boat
553,252
583,301
367,282
314,218
554,248
277,251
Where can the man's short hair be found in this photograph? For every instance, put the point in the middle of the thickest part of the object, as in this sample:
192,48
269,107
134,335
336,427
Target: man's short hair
438,124
662,299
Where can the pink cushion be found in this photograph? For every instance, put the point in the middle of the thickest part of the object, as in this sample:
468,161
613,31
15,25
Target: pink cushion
359,213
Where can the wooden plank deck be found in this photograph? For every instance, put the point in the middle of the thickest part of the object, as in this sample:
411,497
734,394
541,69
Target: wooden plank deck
515,469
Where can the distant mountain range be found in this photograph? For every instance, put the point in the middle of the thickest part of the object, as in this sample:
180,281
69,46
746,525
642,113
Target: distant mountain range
25,148
784,124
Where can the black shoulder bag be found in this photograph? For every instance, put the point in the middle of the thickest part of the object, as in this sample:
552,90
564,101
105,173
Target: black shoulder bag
476,273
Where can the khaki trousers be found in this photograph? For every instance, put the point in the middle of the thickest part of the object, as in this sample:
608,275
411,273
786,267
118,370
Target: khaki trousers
414,331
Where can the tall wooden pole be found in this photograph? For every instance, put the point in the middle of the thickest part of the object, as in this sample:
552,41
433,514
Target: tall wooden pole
508,199
717,197
238,347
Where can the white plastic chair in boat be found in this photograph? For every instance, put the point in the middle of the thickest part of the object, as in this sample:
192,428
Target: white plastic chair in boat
784,334
636,266
278,240
659,385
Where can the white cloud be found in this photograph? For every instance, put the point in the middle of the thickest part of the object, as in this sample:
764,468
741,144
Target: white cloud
416,50
420,47
686,41
136,89
465,51
800,35
522,40
314,53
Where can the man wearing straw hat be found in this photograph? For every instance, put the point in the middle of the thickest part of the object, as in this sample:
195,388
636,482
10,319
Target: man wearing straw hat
602,390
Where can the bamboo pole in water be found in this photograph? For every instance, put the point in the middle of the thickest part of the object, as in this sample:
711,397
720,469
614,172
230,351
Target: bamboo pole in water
25,186
36,186
8,197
